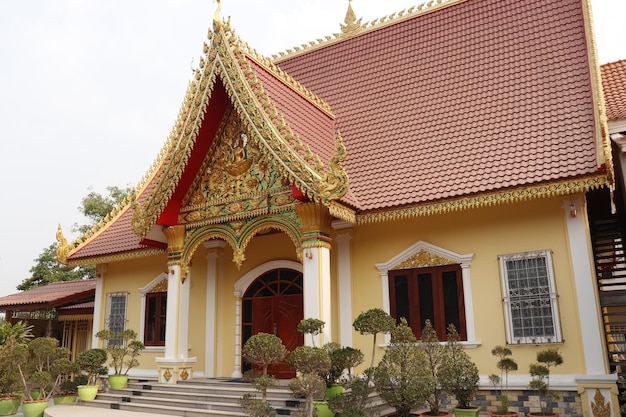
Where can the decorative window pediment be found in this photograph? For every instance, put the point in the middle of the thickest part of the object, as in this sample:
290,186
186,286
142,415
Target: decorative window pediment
423,254
159,284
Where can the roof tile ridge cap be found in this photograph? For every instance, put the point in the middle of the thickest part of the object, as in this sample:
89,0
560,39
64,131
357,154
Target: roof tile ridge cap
350,31
275,70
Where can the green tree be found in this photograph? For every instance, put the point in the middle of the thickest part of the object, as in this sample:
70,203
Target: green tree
47,268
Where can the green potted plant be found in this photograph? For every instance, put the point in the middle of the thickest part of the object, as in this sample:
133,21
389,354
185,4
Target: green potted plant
505,364
91,362
372,322
402,378
123,348
342,359
540,379
261,350
311,326
459,375
356,396
310,362
433,351
67,389
42,371
10,380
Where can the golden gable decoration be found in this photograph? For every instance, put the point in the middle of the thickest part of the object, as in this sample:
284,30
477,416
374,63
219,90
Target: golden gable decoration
423,259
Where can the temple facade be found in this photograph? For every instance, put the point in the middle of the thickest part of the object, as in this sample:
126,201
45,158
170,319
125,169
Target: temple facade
444,163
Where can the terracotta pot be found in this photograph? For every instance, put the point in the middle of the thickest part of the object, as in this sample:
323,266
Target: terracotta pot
442,413
546,414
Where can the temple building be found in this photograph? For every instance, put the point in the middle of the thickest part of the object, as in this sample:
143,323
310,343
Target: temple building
449,162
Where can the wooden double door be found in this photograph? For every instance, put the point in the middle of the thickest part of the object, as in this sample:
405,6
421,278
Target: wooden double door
274,304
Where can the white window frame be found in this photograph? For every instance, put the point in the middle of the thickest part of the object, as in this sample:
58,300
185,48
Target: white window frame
107,318
142,322
547,294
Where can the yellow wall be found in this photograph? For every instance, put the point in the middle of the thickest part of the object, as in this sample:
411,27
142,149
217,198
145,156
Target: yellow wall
486,232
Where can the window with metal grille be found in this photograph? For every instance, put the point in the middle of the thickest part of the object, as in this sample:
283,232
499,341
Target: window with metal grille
530,298
116,313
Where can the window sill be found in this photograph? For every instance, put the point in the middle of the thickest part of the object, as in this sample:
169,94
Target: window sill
154,349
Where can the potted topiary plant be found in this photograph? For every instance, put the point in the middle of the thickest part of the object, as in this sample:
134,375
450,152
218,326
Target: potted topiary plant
311,326
310,362
342,359
67,390
505,364
402,378
261,350
459,375
433,351
91,362
123,348
10,381
540,382
42,371
354,400
372,322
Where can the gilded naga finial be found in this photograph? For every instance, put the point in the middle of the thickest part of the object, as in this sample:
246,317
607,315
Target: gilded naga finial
217,19
351,25
64,248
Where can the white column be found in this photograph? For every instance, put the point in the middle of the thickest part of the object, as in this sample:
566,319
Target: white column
176,364
213,259
98,304
237,369
316,288
344,269
586,290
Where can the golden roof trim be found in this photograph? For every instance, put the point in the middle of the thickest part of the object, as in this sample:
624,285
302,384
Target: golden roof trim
352,27
603,146
116,257
488,199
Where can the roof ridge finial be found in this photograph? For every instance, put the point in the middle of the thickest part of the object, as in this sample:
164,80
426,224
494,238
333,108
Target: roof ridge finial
351,25
217,19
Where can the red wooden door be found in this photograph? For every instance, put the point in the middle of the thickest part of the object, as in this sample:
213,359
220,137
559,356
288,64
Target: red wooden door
279,315
274,304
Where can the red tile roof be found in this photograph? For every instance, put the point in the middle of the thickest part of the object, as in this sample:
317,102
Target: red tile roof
475,97
614,86
50,296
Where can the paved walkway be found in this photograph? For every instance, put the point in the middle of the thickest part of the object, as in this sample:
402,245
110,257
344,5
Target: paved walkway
76,410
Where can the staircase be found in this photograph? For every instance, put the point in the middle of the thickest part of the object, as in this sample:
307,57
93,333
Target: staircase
214,397
610,267
195,398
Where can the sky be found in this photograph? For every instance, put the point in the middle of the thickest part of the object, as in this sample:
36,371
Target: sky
90,89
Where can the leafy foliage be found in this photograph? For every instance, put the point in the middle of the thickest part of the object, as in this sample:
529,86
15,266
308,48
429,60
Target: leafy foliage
354,400
311,363
341,359
254,407
505,364
311,326
458,375
21,332
47,268
91,361
45,366
263,350
402,377
434,353
540,374
123,347
374,321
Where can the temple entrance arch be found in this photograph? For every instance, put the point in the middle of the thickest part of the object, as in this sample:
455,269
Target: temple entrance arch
273,303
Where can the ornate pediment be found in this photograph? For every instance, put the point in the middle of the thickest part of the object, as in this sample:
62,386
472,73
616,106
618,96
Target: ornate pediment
423,259
237,180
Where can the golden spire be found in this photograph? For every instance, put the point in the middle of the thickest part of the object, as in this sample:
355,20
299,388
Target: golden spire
352,25
217,20
64,248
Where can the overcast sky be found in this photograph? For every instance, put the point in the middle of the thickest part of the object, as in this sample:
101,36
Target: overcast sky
90,89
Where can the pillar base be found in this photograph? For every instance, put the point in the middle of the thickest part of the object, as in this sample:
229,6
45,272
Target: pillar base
172,370
598,395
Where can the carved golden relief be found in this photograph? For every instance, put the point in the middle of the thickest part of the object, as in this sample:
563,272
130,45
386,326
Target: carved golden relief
423,259
599,406
167,374
184,374
236,182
